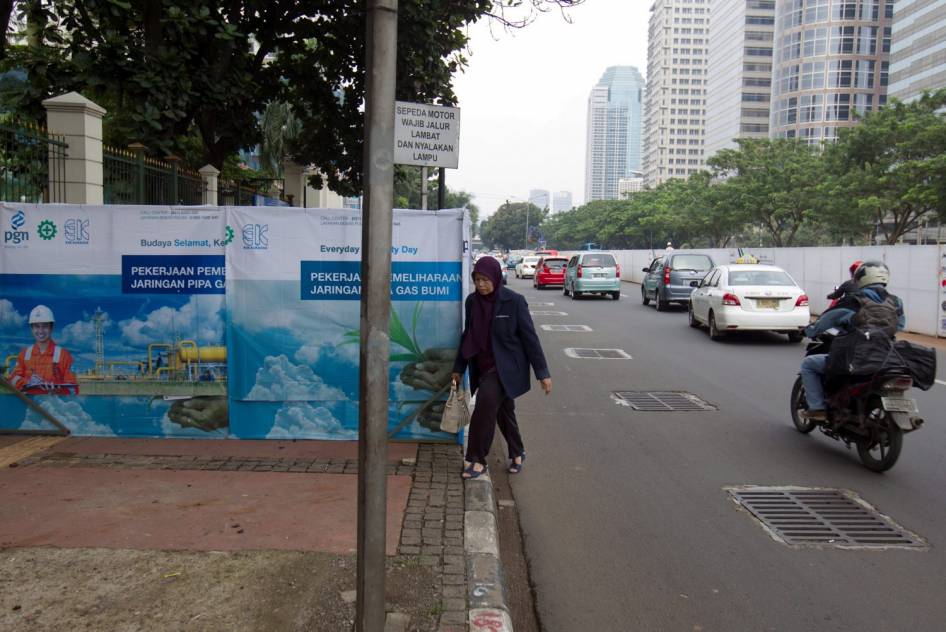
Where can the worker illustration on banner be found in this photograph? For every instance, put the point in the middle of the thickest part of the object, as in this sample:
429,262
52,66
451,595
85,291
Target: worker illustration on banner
44,367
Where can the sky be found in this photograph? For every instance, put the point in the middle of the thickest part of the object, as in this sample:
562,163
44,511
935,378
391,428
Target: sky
523,98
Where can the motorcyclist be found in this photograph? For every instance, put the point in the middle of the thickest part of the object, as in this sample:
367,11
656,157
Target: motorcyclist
848,287
871,278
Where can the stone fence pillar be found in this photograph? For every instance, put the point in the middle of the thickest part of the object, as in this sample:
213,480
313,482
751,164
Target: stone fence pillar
209,175
80,122
295,180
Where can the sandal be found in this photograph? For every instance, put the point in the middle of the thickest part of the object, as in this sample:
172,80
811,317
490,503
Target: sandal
515,468
470,473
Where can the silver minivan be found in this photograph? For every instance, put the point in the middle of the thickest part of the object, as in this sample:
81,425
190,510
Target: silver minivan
667,279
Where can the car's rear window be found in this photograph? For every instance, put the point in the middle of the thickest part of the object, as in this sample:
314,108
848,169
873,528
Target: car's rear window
531,260
698,263
555,264
600,261
759,277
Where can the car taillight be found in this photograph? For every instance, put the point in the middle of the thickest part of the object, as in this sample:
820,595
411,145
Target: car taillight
897,384
545,269
578,273
802,301
667,272
617,270
730,299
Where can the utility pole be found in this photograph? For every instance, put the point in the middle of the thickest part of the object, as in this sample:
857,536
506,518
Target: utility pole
376,231
528,204
441,187
423,188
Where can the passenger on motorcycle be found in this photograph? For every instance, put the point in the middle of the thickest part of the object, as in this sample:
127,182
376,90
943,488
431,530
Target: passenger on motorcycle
871,305
848,287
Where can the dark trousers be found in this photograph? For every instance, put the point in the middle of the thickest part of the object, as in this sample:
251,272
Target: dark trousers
492,407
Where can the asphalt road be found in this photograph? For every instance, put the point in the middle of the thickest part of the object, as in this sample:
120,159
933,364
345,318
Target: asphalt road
627,524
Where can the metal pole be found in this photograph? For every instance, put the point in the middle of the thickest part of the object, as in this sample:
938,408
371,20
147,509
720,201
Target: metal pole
376,235
528,204
423,188
441,187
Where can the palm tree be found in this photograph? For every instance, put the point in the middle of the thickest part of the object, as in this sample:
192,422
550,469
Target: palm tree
280,126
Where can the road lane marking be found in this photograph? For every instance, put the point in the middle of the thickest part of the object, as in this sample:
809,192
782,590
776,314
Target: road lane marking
941,382
548,313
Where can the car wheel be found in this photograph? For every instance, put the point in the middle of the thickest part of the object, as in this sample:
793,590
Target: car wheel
576,295
795,336
539,286
616,295
659,303
644,299
714,332
691,317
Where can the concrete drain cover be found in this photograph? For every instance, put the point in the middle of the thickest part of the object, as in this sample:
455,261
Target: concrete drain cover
823,517
657,401
597,354
548,313
566,328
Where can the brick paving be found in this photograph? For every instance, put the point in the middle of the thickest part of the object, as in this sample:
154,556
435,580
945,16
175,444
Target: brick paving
432,530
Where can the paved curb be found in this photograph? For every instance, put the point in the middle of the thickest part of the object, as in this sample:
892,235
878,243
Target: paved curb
486,583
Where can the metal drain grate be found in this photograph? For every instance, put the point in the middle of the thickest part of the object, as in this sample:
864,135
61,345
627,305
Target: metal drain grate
566,328
657,401
825,517
597,354
548,313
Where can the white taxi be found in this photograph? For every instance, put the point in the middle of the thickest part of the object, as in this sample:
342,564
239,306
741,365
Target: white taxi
749,297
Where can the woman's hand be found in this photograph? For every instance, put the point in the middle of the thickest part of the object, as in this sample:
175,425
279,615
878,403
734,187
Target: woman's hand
546,385
456,377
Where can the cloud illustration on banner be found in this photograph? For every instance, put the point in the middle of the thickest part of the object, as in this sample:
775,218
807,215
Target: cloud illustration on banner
312,353
304,421
200,319
82,332
70,413
10,319
281,380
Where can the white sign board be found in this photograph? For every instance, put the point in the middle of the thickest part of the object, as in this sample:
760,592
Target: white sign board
426,135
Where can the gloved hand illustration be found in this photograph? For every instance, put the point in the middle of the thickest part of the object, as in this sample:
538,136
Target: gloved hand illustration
203,413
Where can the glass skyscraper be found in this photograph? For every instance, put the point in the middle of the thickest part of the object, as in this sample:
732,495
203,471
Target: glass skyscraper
613,148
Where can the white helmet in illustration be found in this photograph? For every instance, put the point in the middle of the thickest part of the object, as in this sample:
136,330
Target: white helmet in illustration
41,314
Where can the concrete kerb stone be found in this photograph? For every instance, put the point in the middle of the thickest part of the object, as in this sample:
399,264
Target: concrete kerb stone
485,579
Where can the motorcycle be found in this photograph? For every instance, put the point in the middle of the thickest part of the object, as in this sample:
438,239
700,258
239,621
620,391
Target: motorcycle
871,411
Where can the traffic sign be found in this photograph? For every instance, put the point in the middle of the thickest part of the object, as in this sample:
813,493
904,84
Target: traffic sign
426,135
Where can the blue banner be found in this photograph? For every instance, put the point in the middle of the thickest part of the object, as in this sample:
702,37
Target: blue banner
173,274
410,280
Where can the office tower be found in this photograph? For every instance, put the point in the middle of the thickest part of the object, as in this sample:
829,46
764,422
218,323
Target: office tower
629,186
918,49
561,201
539,197
675,112
830,60
613,147
739,72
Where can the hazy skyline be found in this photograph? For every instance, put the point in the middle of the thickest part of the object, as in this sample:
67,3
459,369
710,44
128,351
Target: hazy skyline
524,98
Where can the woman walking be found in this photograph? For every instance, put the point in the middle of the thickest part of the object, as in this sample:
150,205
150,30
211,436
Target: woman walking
498,345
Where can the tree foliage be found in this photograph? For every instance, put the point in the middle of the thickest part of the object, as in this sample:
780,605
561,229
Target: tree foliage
173,71
506,228
407,190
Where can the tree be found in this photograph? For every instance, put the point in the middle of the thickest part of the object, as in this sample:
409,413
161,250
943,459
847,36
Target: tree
173,70
279,127
773,183
407,193
890,169
506,228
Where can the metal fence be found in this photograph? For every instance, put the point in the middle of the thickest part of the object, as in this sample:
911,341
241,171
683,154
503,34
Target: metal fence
236,193
130,177
32,164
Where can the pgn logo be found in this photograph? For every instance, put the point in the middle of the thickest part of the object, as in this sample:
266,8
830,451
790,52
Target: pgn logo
77,231
254,237
16,236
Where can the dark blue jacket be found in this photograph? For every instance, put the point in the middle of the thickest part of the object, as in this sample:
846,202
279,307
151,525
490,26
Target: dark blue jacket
515,345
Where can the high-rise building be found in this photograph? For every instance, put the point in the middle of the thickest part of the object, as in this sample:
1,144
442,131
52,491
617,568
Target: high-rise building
629,186
739,72
675,112
561,201
831,60
918,49
613,146
539,197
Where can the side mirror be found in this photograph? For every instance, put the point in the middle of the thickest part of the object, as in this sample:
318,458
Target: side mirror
645,269
695,283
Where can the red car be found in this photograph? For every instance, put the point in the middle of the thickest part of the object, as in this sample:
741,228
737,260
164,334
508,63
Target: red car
549,271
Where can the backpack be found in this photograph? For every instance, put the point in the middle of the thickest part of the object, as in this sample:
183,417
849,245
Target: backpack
872,315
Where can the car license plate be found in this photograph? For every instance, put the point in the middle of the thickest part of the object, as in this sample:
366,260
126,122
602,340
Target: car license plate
767,303
899,404
600,275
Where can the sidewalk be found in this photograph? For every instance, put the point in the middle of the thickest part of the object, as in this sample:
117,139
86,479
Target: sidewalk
158,534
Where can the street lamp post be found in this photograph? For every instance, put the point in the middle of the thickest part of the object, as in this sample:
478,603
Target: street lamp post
528,204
